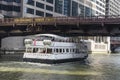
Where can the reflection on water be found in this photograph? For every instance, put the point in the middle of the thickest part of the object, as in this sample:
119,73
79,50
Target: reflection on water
96,67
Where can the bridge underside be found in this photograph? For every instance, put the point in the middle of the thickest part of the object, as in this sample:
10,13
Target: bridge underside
66,26
65,30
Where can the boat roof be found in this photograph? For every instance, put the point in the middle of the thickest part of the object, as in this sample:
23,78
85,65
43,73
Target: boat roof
51,35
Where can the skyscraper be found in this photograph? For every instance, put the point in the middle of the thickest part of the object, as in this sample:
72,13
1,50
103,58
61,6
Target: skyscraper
36,8
10,8
112,7
80,7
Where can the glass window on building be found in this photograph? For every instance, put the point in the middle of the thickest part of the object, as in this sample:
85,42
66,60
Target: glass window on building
5,7
10,8
67,6
30,2
39,13
8,0
87,11
58,6
93,0
40,5
49,15
49,1
49,8
30,11
16,8
93,12
17,1
81,11
74,8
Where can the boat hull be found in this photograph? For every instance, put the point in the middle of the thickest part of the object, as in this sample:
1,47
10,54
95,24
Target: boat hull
53,58
48,61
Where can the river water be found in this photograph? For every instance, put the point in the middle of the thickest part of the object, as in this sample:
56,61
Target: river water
96,67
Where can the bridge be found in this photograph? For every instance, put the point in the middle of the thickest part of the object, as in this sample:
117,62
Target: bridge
69,26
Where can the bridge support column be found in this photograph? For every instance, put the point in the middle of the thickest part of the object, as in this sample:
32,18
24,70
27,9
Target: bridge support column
108,44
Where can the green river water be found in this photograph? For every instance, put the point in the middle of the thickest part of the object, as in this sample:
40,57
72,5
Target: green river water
96,67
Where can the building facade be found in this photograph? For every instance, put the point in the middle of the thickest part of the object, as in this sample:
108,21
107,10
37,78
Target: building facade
48,8
112,7
10,8
113,10
36,8
80,7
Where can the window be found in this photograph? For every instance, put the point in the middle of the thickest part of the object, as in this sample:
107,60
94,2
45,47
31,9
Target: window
39,13
29,10
49,1
58,6
10,8
87,11
60,50
40,5
17,1
67,50
57,50
63,50
30,2
73,50
49,8
54,50
67,6
49,15
74,8
29,50
16,8
35,50
77,50
49,50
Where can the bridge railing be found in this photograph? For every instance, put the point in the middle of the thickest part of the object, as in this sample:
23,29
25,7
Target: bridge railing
6,20
61,20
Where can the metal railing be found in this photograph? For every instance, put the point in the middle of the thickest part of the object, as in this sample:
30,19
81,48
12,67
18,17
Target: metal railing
62,20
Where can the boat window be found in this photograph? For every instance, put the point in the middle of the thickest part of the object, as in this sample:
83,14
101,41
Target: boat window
49,50
54,50
73,50
70,50
77,51
42,50
29,50
57,50
35,50
46,37
28,41
67,50
60,50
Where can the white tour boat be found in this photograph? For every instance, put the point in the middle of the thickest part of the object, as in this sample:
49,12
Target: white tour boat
49,48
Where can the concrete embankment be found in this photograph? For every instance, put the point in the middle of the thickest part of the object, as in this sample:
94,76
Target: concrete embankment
11,56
